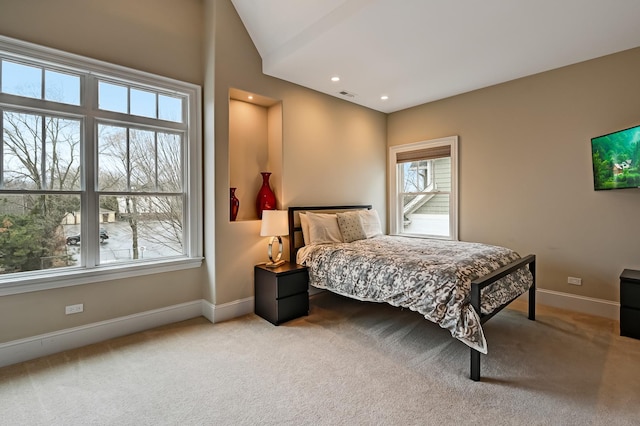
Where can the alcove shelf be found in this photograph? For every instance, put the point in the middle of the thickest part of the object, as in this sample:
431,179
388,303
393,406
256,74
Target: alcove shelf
255,146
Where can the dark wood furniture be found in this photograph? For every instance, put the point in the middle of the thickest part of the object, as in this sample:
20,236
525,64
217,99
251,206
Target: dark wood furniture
630,303
296,241
282,293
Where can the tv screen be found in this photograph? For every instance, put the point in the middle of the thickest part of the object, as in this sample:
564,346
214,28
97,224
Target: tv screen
616,157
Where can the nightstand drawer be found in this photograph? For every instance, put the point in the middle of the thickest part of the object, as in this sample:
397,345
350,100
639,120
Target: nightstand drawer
630,322
282,310
291,284
292,307
277,285
630,294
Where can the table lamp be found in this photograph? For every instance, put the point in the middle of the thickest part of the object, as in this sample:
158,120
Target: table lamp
275,223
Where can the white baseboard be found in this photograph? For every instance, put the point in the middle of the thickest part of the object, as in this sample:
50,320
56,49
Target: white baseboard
583,304
226,311
46,344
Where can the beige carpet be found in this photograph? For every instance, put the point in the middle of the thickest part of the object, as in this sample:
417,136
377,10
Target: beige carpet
347,363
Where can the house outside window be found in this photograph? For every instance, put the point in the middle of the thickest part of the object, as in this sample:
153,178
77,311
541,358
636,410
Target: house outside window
423,189
99,170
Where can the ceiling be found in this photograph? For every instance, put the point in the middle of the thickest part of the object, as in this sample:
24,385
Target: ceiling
417,51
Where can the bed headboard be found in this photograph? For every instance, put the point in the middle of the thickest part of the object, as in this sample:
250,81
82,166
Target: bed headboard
295,230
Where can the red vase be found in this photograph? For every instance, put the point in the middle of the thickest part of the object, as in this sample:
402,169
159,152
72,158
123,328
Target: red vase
234,205
266,199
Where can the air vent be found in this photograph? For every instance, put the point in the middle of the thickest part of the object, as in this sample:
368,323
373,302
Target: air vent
347,94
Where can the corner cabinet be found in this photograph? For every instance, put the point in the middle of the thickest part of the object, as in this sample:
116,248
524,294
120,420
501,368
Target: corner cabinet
630,303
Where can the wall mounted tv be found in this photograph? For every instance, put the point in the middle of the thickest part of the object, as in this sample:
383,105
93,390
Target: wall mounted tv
616,159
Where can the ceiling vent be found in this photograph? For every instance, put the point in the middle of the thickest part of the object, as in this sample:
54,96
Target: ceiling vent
347,94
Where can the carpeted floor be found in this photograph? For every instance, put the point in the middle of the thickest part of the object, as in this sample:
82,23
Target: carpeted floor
347,363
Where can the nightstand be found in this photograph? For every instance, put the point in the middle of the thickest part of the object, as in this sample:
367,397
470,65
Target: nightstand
282,293
630,303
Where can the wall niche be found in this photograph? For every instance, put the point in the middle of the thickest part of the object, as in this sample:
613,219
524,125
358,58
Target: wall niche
255,146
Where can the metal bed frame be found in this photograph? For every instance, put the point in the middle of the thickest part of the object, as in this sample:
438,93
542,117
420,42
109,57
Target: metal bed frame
476,285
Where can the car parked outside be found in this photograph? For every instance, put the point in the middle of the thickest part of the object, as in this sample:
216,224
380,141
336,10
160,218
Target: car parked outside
75,239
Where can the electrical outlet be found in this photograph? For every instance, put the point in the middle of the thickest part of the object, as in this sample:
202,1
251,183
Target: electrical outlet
574,281
74,309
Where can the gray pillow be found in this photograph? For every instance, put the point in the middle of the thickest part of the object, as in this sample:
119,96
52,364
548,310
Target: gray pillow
351,226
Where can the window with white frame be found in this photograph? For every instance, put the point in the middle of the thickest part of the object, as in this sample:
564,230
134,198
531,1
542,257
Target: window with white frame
423,188
99,170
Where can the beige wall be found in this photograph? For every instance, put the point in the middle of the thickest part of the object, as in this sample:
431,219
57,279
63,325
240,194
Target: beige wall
525,168
332,152
31,314
159,36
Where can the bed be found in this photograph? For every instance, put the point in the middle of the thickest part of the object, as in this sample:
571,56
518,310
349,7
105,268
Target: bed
457,285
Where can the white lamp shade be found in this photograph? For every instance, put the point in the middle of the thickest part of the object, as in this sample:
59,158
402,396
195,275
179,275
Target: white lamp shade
274,223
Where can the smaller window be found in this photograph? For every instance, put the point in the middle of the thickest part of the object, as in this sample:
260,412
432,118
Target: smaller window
423,188
21,80
26,81
113,97
170,108
61,87
143,103
140,102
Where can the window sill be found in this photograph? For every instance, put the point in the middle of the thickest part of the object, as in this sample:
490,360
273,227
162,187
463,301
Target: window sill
426,236
66,278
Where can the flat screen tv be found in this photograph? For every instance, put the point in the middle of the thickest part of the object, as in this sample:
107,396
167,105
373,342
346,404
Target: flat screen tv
616,157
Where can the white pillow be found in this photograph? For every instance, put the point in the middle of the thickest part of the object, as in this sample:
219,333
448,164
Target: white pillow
371,223
304,224
323,228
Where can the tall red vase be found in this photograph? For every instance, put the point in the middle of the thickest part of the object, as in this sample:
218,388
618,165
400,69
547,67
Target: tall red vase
266,199
234,205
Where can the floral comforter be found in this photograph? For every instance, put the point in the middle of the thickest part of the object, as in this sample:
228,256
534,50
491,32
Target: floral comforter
432,277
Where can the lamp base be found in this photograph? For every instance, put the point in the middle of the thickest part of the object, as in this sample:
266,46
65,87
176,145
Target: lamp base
274,264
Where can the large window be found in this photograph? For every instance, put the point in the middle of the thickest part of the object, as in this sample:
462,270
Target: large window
423,188
99,170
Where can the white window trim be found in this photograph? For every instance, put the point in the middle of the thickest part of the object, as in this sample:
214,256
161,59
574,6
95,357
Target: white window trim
395,219
57,278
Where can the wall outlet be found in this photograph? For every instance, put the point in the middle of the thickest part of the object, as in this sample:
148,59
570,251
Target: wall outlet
574,281
74,309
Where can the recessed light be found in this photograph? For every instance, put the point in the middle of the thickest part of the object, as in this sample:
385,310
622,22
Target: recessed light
384,97
250,97
335,79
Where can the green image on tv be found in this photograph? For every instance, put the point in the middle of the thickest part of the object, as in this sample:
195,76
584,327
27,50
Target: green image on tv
616,157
